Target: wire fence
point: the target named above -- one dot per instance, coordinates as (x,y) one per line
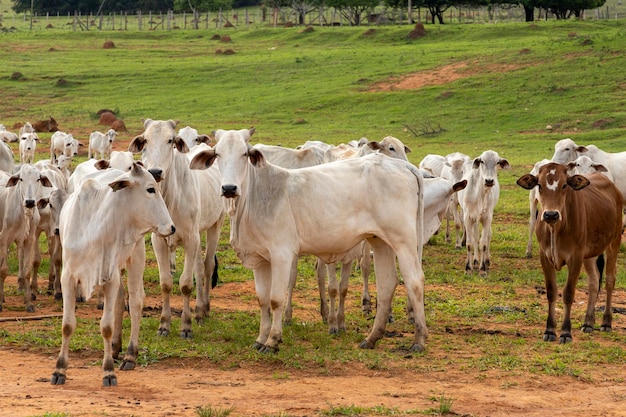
(247,18)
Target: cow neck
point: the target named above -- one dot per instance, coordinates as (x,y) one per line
(174,182)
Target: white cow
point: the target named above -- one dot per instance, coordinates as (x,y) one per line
(7,159)
(122,160)
(585,165)
(62,143)
(6,135)
(194,202)
(26,128)
(292,158)
(192,137)
(453,170)
(478,201)
(28,144)
(20,217)
(273,221)
(115,242)
(433,164)
(533,200)
(101,144)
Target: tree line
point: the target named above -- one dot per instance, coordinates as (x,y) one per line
(354,11)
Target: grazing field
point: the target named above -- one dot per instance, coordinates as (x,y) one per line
(513,88)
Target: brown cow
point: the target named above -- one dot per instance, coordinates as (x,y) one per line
(49,125)
(581,219)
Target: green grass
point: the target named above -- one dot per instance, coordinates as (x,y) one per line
(295,86)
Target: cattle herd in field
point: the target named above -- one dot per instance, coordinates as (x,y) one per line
(368,199)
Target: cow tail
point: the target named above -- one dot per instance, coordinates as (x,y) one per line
(420,210)
(214,277)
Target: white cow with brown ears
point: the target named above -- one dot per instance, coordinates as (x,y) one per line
(272,222)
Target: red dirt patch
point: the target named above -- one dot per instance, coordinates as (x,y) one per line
(441,75)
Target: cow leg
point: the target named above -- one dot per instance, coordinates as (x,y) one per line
(552,293)
(279,294)
(366,269)
(532,219)
(27,267)
(4,271)
(573,272)
(162,254)
(56,260)
(346,271)
(333,292)
(263,287)
(68,326)
(321,273)
(293,276)
(471,228)
(458,226)
(612,253)
(193,261)
(411,270)
(135,267)
(210,271)
(202,289)
(36,257)
(485,241)
(107,324)
(118,320)
(386,281)
(593,283)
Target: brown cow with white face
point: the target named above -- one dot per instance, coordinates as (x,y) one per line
(581,218)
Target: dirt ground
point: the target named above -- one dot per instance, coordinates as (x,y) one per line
(176,387)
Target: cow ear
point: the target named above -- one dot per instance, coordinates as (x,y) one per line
(373,145)
(571,165)
(12,182)
(45,181)
(527,181)
(600,168)
(407,149)
(581,149)
(102,164)
(119,184)
(476,163)
(42,203)
(146,123)
(180,145)
(459,186)
(578,182)
(137,144)
(504,164)
(256,157)
(203,160)
(173,123)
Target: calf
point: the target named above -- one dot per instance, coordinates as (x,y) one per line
(62,143)
(478,201)
(192,137)
(581,219)
(28,144)
(6,135)
(101,144)
(272,222)
(20,217)
(114,243)
(7,159)
(49,125)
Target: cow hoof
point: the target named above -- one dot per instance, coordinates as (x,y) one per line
(269,349)
(366,345)
(58,296)
(163,332)
(605,328)
(549,337)
(100,306)
(417,348)
(257,346)
(127,365)
(57,379)
(30,309)
(333,330)
(587,328)
(33,296)
(109,381)
(186,334)
(80,299)
(390,319)
(565,338)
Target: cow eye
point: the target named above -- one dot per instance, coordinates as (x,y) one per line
(151,190)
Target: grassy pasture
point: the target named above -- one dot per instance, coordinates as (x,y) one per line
(493,87)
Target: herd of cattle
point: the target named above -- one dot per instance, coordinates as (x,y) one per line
(95,218)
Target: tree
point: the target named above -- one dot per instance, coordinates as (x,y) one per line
(352,10)
(304,7)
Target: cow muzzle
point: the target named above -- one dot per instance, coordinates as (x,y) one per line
(157,173)
(229,191)
(551,217)
(29,204)
(489,183)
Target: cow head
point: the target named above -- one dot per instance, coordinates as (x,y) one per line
(566,150)
(553,184)
(487,163)
(232,151)
(157,145)
(391,147)
(28,182)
